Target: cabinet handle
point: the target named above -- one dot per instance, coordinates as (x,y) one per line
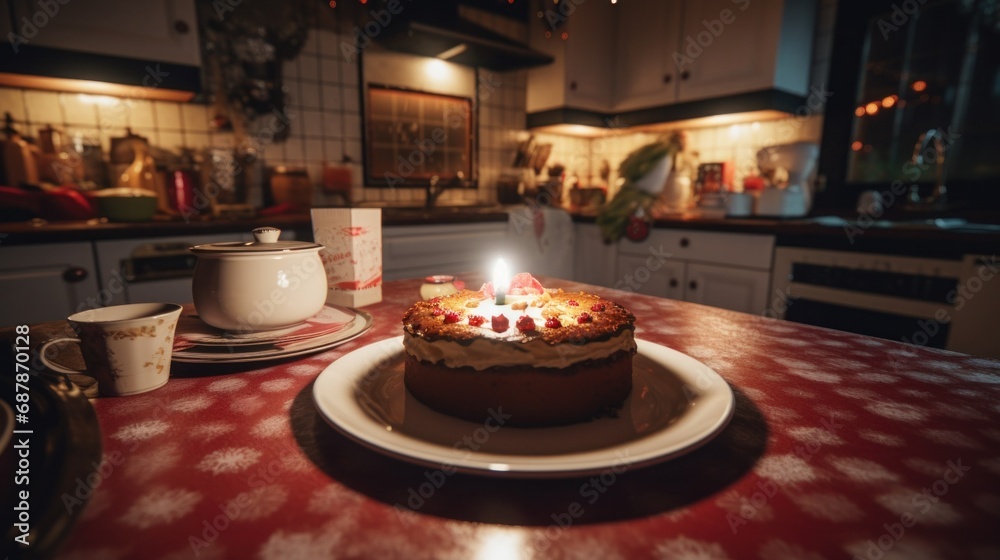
(673,282)
(693,285)
(181,27)
(685,242)
(685,75)
(74,274)
(572,85)
(667,78)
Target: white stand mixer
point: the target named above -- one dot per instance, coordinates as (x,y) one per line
(792,166)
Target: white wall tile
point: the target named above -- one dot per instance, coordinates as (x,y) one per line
(43,107)
(77,112)
(194,117)
(12,101)
(168,115)
(141,114)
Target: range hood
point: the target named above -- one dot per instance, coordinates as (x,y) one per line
(440,32)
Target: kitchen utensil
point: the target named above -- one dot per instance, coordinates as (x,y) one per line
(791,168)
(739,204)
(127,348)
(262,285)
(870,204)
(180,191)
(540,157)
(124,204)
(19,162)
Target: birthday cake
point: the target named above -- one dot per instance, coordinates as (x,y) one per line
(528,357)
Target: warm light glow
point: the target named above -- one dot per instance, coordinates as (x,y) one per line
(860,112)
(500,544)
(501,279)
(48,83)
(735,131)
(102,100)
(564,35)
(889,101)
(437,68)
(919,85)
(856,145)
(871,108)
(453,52)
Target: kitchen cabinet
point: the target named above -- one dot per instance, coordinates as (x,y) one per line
(46,282)
(454,249)
(160,30)
(594,261)
(686,50)
(726,270)
(582,73)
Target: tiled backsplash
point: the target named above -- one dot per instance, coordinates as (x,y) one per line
(324,106)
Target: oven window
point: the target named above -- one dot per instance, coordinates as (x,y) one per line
(903,328)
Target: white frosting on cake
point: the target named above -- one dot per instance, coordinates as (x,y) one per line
(485,353)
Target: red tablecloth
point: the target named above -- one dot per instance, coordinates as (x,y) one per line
(841,445)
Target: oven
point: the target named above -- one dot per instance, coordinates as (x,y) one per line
(940,303)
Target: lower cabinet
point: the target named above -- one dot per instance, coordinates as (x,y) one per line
(726,270)
(40,283)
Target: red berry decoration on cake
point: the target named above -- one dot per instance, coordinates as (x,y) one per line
(452,317)
(598,307)
(552,323)
(476,320)
(500,323)
(525,323)
(584,318)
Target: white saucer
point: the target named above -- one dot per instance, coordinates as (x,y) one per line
(243,352)
(677,404)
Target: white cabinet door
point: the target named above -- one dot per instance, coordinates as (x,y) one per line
(41,283)
(594,261)
(155,30)
(648,35)
(650,276)
(418,251)
(732,46)
(590,56)
(726,287)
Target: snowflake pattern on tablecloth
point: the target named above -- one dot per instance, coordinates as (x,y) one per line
(159,507)
(229,460)
(833,437)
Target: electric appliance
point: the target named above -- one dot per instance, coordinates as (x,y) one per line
(791,169)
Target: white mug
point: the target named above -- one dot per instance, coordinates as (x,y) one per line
(127,348)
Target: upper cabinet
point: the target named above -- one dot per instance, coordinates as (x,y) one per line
(645,54)
(581,76)
(163,31)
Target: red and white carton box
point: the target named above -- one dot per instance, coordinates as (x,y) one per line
(352,253)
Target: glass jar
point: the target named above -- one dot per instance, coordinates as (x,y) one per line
(436,286)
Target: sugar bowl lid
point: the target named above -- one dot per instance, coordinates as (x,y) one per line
(265,241)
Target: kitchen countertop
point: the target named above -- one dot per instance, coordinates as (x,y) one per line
(914,238)
(839,443)
(96,230)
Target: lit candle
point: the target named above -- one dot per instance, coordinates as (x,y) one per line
(500,279)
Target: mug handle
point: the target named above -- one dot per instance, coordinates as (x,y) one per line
(54,366)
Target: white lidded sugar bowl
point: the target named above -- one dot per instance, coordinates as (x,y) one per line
(262,285)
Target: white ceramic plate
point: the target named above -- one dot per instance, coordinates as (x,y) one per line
(210,353)
(677,404)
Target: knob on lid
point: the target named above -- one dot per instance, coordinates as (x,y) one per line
(266,234)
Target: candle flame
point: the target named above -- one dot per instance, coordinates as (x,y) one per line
(501,276)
